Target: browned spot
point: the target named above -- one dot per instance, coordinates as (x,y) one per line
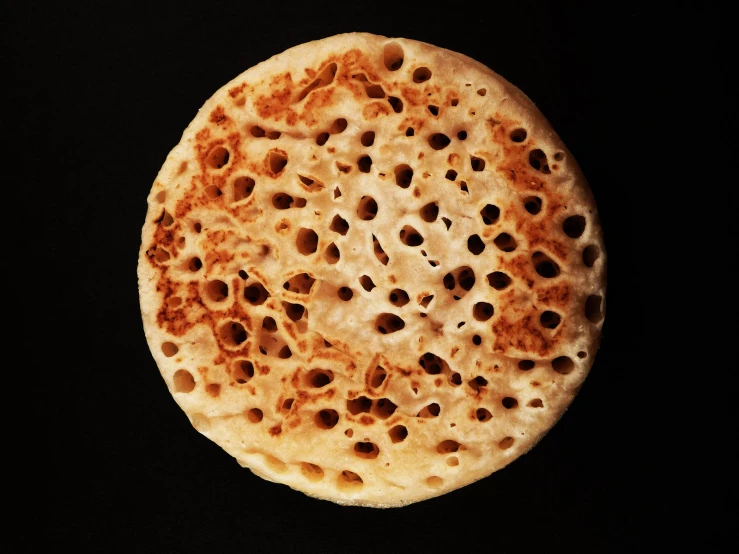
(453,159)
(555,295)
(524,335)
(203,135)
(366,420)
(375,109)
(235,91)
(275,430)
(218,116)
(514,166)
(412,96)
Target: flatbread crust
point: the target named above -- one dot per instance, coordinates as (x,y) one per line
(371,271)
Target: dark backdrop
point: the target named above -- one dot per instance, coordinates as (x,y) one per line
(112,86)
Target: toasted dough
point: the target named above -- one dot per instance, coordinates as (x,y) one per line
(371,271)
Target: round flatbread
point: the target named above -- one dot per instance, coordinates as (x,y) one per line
(371,271)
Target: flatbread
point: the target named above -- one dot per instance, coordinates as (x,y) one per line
(371,271)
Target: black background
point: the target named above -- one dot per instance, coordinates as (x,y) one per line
(112,88)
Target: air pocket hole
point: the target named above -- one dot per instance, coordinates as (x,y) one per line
(403,176)
(379,252)
(169,349)
(475,245)
(322,138)
(483,415)
(563,365)
(518,135)
(478,383)
(300,283)
(509,402)
(277,161)
(243,370)
(213,192)
(396,103)
(368,138)
(592,308)
(307,241)
(447,447)
(332,254)
(389,323)
(490,214)
(378,377)
(421,75)
(526,365)
(345,293)
(339,225)
(506,443)
(399,298)
(338,126)
(538,160)
(398,433)
(216,290)
(439,141)
(432,410)
(367,209)
(549,319)
(544,265)
(574,226)
(535,403)
(312,472)
(183,381)
(532,204)
(294,311)
(478,164)
(218,157)
(366,283)
(429,212)
(233,333)
(359,405)
(282,201)
(243,187)
(451,175)
(410,237)
(318,378)
(434,110)
(505,242)
(366,450)
(590,255)
(409,132)
(482,311)
(393,56)
(256,294)
(498,280)
(327,419)
(255,415)
(349,480)
(364,164)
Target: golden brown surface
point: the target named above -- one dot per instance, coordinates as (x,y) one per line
(371,271)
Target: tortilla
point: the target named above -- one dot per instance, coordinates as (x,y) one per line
(371,271)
